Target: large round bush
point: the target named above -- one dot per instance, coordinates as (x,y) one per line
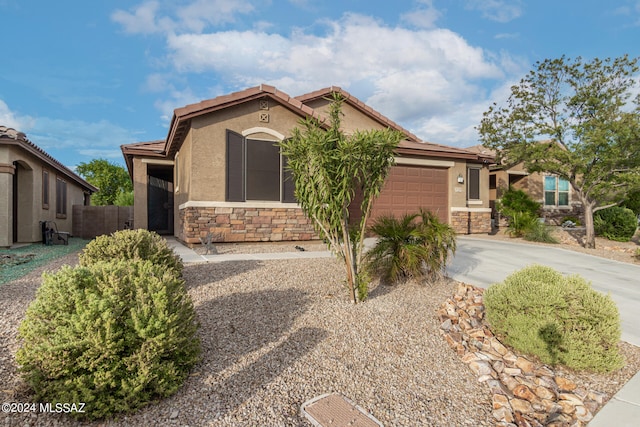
(615,223)
(131,245)
(114,335)
(560,319)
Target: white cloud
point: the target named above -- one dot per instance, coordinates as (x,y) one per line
(497,10)
(423,16)
(156,17)
(142,20)
(13,120)
(411,76)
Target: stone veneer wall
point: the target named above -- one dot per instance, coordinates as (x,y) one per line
(471,222)
(246,224)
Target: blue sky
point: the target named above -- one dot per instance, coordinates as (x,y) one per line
(80,78)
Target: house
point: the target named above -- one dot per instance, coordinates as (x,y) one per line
(34,187)
(219,170)
(555,194)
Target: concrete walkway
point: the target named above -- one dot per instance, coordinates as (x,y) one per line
(483,262)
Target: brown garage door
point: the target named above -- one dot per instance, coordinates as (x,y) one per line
(408,188)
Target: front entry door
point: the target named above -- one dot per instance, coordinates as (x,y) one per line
(160,205)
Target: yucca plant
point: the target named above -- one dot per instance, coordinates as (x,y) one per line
(414,246)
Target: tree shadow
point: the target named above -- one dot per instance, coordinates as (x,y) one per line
(242,385)
(234,326)
(552,337)
(201,274)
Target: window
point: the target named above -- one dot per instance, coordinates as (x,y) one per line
(255,171)
(45,189)
(473,184)
(263,170)
(61,198)
(556,191)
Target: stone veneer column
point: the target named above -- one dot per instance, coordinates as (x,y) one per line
(471,220)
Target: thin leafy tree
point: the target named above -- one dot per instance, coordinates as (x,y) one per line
(329,167)
(578,120)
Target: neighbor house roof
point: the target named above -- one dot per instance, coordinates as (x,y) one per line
(181,121)
(10,136)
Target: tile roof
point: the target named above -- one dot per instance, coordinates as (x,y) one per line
(181,120)
(14,137)
(147,149)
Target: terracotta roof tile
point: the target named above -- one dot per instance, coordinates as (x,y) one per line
(182,116)
(20,138)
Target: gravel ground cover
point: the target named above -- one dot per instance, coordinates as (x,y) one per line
(278,333)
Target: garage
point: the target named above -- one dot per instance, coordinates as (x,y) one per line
(408,188)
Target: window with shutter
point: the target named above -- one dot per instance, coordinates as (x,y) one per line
(473,184)
(256,171)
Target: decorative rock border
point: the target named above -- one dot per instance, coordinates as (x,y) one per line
(524,393)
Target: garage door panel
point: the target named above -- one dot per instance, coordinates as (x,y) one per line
(410,187)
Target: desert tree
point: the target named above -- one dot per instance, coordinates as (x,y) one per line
(112,180)
(329,168)
(578,120)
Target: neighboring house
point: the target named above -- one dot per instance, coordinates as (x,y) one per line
(34,187)
(220,171)
(555,195)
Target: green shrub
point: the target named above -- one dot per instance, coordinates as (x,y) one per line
(632,201)
(131,245)
(539,232)
(560,319)
(514,200)
(615,223)
(520,223)
(521,212)
(414,246)
(114,335)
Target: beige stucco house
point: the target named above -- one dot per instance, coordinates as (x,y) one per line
(220,171)
(555,195)
(34,187)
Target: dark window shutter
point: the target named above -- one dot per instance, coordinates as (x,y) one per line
(474,184)
(288,185)
(235,167)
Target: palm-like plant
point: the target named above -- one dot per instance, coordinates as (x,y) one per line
(413,246)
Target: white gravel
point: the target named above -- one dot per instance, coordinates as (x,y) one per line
(278,333)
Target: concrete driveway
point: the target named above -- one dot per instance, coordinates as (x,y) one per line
(482,262)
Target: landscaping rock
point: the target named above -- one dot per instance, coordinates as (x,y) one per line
(524,393)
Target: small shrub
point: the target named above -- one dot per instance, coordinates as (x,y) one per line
(414,246)
(520,223)
(514,200)
(114,335)
(637,253)
(615,223)
(131,245)
(539,232)
(559,319)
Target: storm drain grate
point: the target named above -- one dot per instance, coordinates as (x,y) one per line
(335,410)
